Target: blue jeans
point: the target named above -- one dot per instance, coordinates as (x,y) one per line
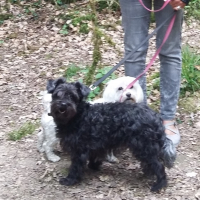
(135,21)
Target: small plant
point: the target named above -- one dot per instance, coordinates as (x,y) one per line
(193,9)
(111,4)
(64,30)
(190,71)
(153,83)
(94,93)
(31,9)
(75,19)
(73,72)
(102,71)
(14,1)
(4,17)
(84,29)
(61,2)
(99,74)
(26,129)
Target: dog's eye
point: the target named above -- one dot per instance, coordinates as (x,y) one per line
(59,94)
(120,88)
(131,87)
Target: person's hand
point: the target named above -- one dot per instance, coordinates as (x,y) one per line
(177,4)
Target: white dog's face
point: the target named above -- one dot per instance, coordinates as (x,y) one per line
(114,91)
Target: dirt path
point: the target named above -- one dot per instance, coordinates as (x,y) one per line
(35,52)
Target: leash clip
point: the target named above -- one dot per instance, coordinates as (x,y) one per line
(92,87)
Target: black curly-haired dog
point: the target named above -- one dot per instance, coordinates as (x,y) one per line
(87,132)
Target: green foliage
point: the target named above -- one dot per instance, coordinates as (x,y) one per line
(14,1)
(30,8)
(61,2)
(84,29)
(26,129)
(153,83)
(74,72)
(76,19)
(193,9)
(111,4)
(71,71)
(99,74)
(190,71)
(190,77)
(153,17)
(64,30)
(97,41)
(4,17)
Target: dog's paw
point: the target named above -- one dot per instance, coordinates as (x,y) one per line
(158,186)
(112,159)
(53,158)
(155,188)
(95,165)
(40,149)
(68,181)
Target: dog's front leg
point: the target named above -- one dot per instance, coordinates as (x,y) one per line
(76,170)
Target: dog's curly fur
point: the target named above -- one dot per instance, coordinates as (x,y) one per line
(47,135)
(88,131)
(115,92)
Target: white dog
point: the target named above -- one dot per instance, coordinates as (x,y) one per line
(47,136)
(114,92)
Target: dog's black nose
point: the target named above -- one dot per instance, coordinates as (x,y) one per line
(63,104)
(62,108)
(128,94)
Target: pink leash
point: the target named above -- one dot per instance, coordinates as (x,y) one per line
(166,2)
(157,52)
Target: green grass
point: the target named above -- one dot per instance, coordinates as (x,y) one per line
(26,129)
(153,83)
(190,71)
(190,77)
(193,9)
(71,71)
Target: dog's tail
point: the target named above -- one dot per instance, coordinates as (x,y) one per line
(168,153)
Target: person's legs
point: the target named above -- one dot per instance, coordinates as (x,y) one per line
(135,21)
(170,60)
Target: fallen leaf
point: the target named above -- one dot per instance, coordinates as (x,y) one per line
(103,178)
(191,174)
(197,195)
(131,166)
(197,67)
(48,179)
(100,196)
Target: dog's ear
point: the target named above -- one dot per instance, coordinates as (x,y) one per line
(52,84)
(82,89)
